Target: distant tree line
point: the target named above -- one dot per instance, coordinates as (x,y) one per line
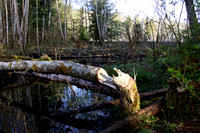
(36,23)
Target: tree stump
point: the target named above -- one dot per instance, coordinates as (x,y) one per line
(177,98)
(129,96)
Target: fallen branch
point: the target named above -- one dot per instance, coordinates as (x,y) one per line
(152,94)
(131,121)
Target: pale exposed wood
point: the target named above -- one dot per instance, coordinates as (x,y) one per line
(129,96)
(131,121)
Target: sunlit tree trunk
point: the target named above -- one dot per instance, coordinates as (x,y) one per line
(37,35)
(193,22)
(61,31)
(49,22)
(65,39)
(6,12)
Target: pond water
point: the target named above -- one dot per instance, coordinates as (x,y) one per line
(26,104)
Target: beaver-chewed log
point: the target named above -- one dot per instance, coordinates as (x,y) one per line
(129,96)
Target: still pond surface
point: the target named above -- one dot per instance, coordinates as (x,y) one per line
(26,104)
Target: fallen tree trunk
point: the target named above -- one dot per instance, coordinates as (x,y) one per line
(102,89)
(131,121)
(90,73)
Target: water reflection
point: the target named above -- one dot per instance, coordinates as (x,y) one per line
(26,104)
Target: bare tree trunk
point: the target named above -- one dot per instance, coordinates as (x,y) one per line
(37,35)
(18,26)
(65,39)
(61,31)
(193,22)
(43,22)
(6,12)
(13,22)
(1,25)
(26,23)
(129,37)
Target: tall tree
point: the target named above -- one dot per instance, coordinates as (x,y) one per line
(61,31)
(26,23)
(20,42)
(43,22)
(193,22)
(37,32)
(65,38)
(101,15)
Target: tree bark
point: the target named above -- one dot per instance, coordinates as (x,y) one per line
(131,121)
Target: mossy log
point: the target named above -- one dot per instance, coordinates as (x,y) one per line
(86,72)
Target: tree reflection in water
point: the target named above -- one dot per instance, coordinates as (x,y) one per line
(26,104)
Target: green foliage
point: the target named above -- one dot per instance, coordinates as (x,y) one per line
(83,34)
(147,121)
